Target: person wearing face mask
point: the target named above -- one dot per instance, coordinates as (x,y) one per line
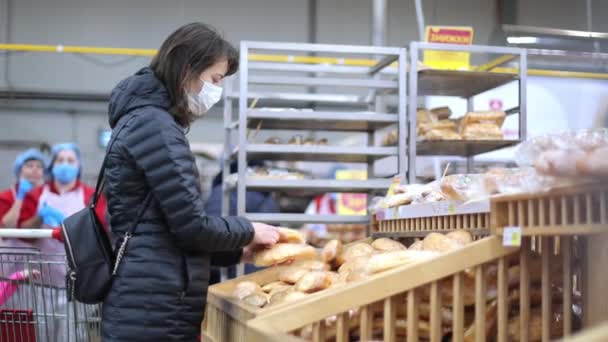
(47,205)
(160,288)
(29,171)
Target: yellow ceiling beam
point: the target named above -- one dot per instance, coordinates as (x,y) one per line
(491,66)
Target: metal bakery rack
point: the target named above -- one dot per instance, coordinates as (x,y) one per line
(344,99)
(419,220)
(464,84)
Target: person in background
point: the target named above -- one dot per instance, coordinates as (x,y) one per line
(29,171)
(47,205)
(256,202)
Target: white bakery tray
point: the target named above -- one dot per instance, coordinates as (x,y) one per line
(442,208)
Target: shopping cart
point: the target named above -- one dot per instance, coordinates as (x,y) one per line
(34,303)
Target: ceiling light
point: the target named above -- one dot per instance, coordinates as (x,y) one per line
(522,40)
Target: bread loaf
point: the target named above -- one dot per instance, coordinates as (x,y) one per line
(461,236)
(386,245)
(275,286)
(283,253)
(245,288)
(354,251)
(416,246)
(492,117)
(257,299)
(293,296)
(441,134)
(314,281)
(482,131)
(331,251)
(288,235)
(440,243)
(386,261)
(442,113)
(292,274)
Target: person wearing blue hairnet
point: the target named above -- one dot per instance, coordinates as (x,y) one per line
(63,195)
(46,207)
(29,172)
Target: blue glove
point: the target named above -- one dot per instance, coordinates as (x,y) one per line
(50,216)
(23,188)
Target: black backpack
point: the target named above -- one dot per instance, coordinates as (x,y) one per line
(92,262)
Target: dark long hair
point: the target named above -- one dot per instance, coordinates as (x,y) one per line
(183,56)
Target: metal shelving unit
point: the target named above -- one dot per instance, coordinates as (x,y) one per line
(351,100)
(463,84)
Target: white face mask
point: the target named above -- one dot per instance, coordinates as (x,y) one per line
(209,95)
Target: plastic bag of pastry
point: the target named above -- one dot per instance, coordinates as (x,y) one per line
(492,117)
(291,235)
(331,251)
(464,187)
(561,163)
(416,246)
(245,288)
(440,243)
(386,261)
(398,200)
(442,113)
(387,245)
(424,116)
(482,131)
(433,196)
(586,140)
(322,142)
(257,299)
(595,164)
(441,134)
(461,236)
(283,253)
(354,251)
(275,286)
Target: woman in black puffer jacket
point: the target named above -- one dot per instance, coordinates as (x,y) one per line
(159,291)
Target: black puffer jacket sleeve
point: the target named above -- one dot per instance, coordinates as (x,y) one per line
(160,149)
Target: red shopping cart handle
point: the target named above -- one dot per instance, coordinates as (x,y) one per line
(17,325)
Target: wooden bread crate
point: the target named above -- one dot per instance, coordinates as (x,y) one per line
(579,211)
(482,292)
(575,210)
(417,220)
(226,316)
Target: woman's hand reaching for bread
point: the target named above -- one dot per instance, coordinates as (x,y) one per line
(264,236)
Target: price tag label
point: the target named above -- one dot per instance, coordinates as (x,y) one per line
(511,237)
(451,208)
(396,212)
